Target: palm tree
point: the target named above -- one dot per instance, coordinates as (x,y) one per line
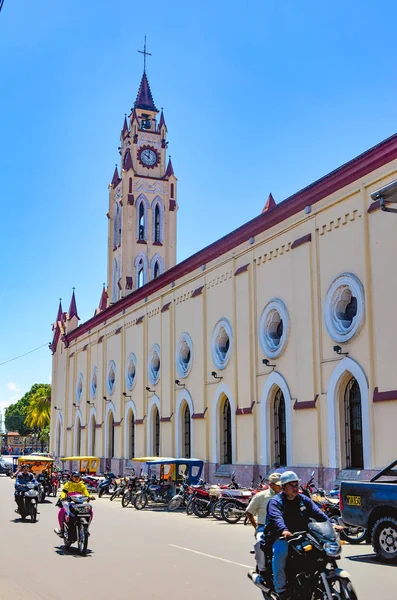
(39,410)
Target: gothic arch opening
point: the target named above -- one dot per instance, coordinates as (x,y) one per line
(78,438)
(110,436)
(130,434)
(141,222)
(156,431)
(225,439)
(279,429)
(157,224)
(351,426)
(186,438)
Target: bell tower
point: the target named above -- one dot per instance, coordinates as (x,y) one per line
(142,200)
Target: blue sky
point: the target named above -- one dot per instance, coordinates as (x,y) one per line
(258,97)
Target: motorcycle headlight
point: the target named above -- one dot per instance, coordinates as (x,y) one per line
(332,548)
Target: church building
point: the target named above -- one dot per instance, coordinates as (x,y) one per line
(275,345)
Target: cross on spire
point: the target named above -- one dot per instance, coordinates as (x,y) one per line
(145,54)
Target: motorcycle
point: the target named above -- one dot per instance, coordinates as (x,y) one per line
(153,491)
(133,485)
(77,521)
(45,487)
(181,499)
(55,479)
(119,491)
(108,485)
(208,500)
(28,498)
(312,570)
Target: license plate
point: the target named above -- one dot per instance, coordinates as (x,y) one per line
(353,500)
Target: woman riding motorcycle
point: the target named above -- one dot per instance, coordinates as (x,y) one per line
(74,486)
(23,477)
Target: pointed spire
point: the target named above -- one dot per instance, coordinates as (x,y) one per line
(60,312)
(269,204)
(73,308)
(144,98)
(162,121)
(170,169)
(124,131)
(103,303)
(116,177)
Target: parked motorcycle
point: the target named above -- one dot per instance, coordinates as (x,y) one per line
(77,521)
(108,485)
(180,499)
(153,491)
(134,484)
(312,570)
(27,500)
(121,487)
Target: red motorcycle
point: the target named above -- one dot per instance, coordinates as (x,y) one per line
(55,483)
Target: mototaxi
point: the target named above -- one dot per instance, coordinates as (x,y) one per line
(41,467)
(170,471)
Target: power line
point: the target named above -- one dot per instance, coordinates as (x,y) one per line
(26,353)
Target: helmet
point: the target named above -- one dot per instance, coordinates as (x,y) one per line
(288,477)
(76,474)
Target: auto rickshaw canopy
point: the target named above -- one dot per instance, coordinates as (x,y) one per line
(88,464)
(37,463)
(176,469)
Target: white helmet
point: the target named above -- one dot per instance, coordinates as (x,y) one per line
(288,477)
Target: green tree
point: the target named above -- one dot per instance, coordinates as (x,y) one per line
(15,414)
(38,412)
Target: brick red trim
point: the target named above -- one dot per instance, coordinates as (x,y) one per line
(157,243)
(166,307)
(139,421)
(118,330)
(98,426)
(384,396)
(83,426)
(117,423)
(246,411)
(200,415)
(130,199)
(100,339)
(305,404)
(302,240)
(198,291)
(166,419)
(141,242)
(69,428)
(372,159)
(139,320)
(241,270)
(374,206)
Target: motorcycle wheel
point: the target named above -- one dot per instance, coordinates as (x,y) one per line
(140,500)
(352,534)
(174,503)
(341,589)
(66,540)
(230,514)
(33,512)
(200,508)
(189,507)
(216,510)
(114,495)
(101,491)
(82,539)
(126,499)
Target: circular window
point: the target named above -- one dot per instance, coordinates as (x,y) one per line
(273,328)
(221,343)
(344,307)
(94,382)
(154,364)
(79,387)
(130,371)
(111,377)
(184,355)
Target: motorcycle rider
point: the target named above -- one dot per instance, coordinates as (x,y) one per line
(258,507)
(74,486)
(23,477)
(287,513)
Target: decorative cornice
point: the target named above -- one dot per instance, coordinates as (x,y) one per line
(200,415)
(140,421)
(166,419)
(384,396)
(360,166)
(141,242)
(98,426)
(118,330)
(241,270)
(197,291)
(246,411)
(166,307)
(305,404)
(100,339)
(302,240)
(157,243)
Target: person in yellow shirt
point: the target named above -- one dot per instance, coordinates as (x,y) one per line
(74,486)
(258,508)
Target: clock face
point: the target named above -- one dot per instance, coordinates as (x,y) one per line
(148,156)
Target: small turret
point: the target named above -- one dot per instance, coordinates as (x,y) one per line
(72,319)
(270,203)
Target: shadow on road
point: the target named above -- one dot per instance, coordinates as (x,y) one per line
(370,559)
(72,552)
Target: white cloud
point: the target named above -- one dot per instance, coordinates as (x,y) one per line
(12,386)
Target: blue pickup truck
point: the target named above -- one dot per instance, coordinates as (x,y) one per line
(373,505)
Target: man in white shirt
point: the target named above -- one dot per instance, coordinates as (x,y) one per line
(258,508)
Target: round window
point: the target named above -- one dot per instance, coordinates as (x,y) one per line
(221,343)
(111,377)
(79,387)
(94,382)
(130,371)
(154,364)
(273,328)
(184,355)
(344,307)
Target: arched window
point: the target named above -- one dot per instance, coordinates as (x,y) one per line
(131,435)
(110,448)
(353,426)
(156,270)
(226,434)
(157,232)
(78,438)
(141,270)
(156,432)
(141,221)
(279,424)
(130,185)
(91,449)
(186,439)
(140,276)
(172,191)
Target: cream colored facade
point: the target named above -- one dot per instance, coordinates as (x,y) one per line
(315,272)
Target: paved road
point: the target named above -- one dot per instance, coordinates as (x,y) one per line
(147,554)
